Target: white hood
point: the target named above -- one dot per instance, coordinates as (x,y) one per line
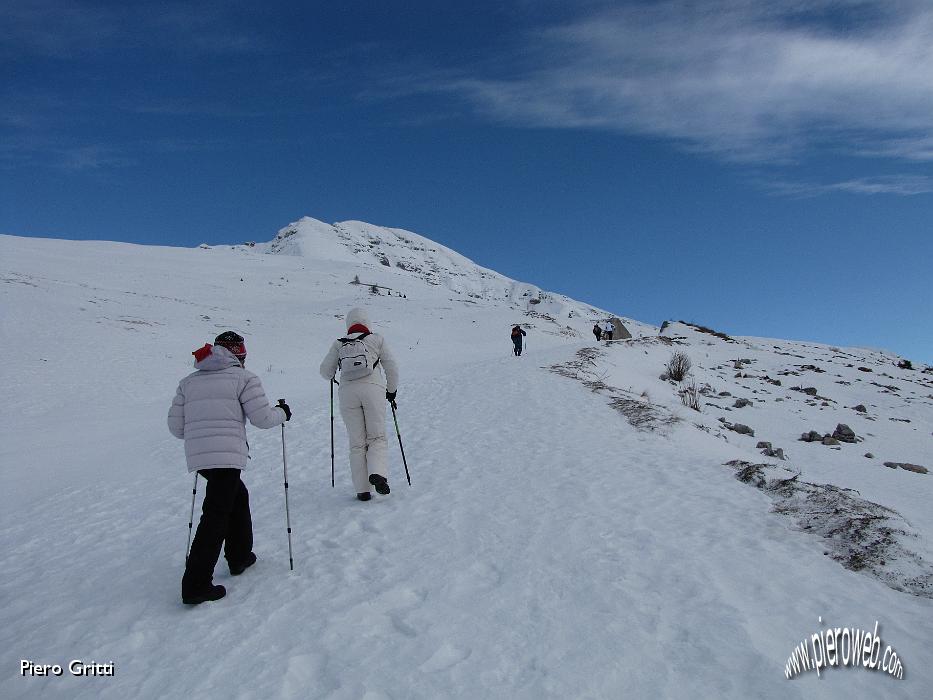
(357,315)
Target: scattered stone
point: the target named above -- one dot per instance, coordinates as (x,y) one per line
(810,391)
(830,440)
(769,451)
(860,408)
(812,436)
(741,403)
(864,369)
(737,427)
(724,393)
(916,468)
(844,433)
(869,455)
(889,388)
(663,377)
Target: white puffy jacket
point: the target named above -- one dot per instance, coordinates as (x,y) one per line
(210,410)
(377,345)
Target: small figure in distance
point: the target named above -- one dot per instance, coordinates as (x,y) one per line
(517,339)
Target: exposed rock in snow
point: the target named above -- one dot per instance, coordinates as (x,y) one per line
(844,433)
(861,535)
(916,468)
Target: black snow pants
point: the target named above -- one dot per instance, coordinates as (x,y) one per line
(225,520)
(517,340)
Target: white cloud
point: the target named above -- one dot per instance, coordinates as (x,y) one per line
(65,30)
(902,185)
(746,80)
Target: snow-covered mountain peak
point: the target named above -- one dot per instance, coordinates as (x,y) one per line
(310,238)
(389,256)
(372,246)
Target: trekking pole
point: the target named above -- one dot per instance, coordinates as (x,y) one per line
(288,522)
(332,382)
(404,461)
(194,493)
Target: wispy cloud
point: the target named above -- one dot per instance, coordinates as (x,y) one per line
(92,157)
(901,185)
(63,30)
(61,154)
(916,148)
(746,80)
(42,152)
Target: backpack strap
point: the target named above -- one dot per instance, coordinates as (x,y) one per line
(350,340)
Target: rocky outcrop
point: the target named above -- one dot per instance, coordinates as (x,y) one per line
(737,427)
(843,433)
(916,468)
(769,451)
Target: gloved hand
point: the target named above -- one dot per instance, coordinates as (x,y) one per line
(390,396)
(284,407)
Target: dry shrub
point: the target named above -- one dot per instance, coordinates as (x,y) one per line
(678,366)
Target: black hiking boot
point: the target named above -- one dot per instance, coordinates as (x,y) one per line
(364,496)
(210,593)
(379,481)
(240,567)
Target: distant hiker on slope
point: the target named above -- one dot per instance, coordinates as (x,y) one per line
(598,332)
(363,394)
(517,334)
(209,413)
(607,330)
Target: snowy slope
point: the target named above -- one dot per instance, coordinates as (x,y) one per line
(547,548)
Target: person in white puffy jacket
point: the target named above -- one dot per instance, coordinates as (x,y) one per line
(209,413)
(363,401)
(608,330)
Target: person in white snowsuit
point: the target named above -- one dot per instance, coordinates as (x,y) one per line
(608,328)
(363,394)
(209,413)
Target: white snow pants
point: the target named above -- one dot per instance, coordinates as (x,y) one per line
(363,407)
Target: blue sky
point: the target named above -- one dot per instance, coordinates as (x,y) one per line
(764,168)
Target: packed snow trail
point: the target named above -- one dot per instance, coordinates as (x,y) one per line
(545,550)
